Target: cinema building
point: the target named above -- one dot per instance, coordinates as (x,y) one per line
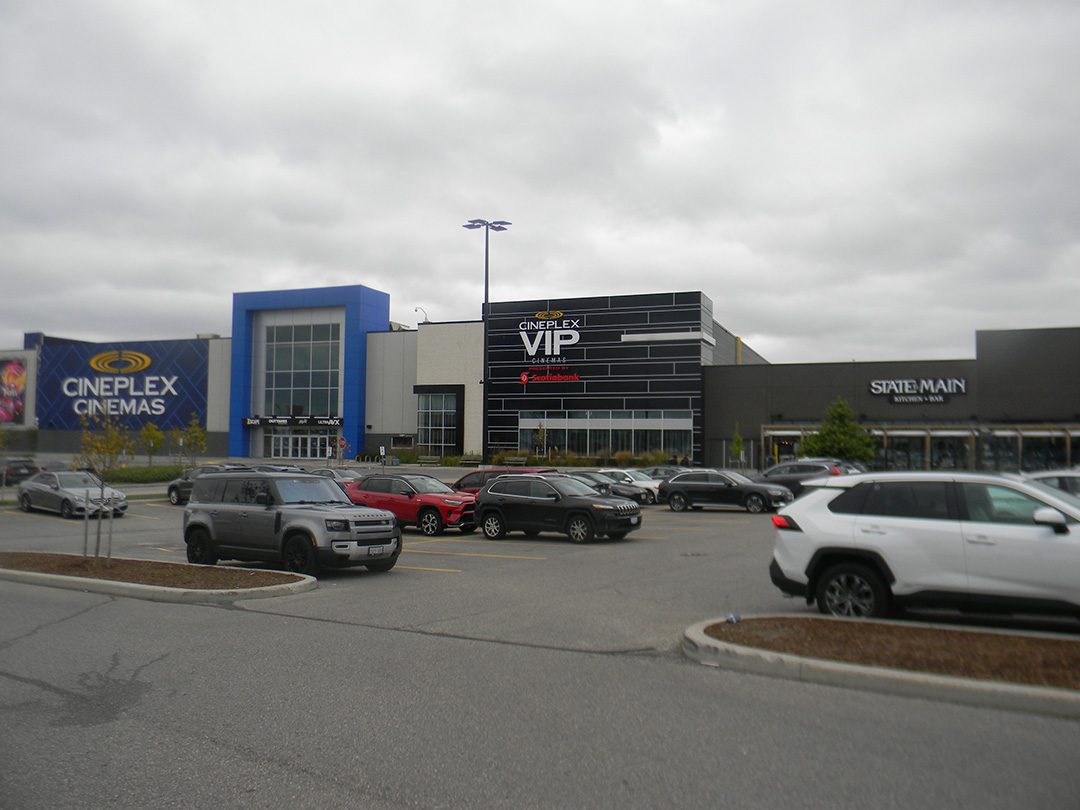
(308,374)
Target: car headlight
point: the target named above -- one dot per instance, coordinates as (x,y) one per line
(776,493)
(452,503)
(337,525)
(602,506)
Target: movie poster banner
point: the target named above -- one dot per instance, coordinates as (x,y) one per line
(12,391)
(161,382)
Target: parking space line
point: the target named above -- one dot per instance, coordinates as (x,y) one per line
(467,554)
(500,543)
(438,570)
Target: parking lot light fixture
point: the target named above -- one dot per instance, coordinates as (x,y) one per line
(488,226)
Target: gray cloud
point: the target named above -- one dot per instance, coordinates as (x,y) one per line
(846,180)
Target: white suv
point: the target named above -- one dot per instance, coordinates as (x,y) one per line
(862,544)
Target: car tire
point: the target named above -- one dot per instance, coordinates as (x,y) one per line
(299,555)
(25,504)
(852,590)
(381,567)
(174,496)
(579,529)
(199,550)
(754,503)
(494,528)
(677,502)
(66,510)
(430,523)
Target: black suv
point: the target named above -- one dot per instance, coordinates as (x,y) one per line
(305,521)
(791,474)
(553,503)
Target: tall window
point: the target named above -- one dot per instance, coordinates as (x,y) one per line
(303,370)
(437,424)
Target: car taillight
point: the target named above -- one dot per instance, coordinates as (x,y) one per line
(835,471)
(784,522)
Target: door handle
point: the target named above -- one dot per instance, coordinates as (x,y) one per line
(873,530)
(982,540)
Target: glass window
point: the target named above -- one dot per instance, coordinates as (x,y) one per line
(320,331)
(910,499)
(989,503)
(302,334)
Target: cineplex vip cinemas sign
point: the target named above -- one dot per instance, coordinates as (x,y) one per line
(924,391)
(163,382)
(546,337)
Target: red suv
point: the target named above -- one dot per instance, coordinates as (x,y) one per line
(416,499)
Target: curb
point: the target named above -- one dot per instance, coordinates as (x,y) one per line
(158,593)
(704,649)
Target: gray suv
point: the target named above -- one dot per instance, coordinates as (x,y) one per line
(304,521)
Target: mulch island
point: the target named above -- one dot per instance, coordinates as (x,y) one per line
(145,572)
(1025,659)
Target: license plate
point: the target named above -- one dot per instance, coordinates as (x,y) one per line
(634,520)
(375,551)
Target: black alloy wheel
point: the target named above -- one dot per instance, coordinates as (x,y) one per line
(199,551)
(677,502)
(25,504)
(299,555)
(66,510)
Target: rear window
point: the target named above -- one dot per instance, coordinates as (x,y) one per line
(910,499)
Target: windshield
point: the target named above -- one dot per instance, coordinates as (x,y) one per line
(1068,497)
(638,475)
(429,485)
(571,486)
(78,480)
(310,490)
(737,477)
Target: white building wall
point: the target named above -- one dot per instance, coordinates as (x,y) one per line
(453,354)
(391,374)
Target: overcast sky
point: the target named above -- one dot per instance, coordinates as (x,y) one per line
(845,179)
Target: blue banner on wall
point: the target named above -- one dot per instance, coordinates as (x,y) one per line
(161,382)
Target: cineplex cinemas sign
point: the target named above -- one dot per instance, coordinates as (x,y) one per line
(925,391)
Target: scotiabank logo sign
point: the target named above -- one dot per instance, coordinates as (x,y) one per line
(547,335)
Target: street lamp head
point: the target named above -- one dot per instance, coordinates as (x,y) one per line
(497,225)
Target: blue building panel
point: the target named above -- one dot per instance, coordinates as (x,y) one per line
(366,310)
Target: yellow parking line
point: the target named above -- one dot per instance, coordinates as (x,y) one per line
(500,543)
(466,554)
(439,570)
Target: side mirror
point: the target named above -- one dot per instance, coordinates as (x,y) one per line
(264,498)
(1052,518)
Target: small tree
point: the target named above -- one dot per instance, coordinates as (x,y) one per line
(540,440)
(194,439)
(151,440)
(103,443)
(737,445)
(839,436)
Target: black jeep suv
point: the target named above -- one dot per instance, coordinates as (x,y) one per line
(553,503)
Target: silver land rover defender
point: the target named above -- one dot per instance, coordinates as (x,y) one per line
(304,521)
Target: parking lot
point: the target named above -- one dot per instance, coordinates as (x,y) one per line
(524,672)
(641,591)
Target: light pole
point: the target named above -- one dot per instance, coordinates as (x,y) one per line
(497,225)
